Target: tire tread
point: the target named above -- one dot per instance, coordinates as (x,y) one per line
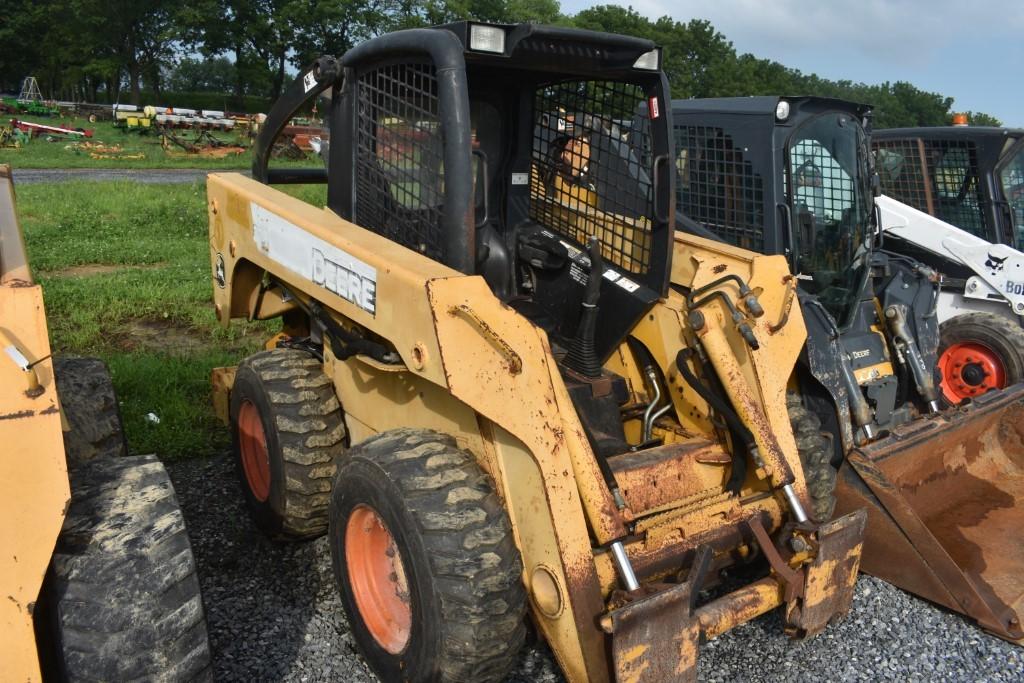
(473,559)
(311,433)
(125,590)
(815,451)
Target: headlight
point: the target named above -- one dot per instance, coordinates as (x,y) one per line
(782,110)
(487,38)
(649,61)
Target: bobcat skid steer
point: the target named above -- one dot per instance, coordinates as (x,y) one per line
(503,384)
(956,202)
(792,176)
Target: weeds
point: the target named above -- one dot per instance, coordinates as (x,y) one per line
(125,270)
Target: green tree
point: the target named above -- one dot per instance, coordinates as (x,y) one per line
(216,74)
(978,118)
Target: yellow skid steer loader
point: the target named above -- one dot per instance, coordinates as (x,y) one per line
(97,572)
(504,384)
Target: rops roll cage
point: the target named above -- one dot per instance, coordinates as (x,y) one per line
(448,48)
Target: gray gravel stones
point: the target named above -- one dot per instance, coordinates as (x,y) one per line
(274,614)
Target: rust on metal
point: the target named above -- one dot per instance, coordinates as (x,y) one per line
(740,606)
(655,638)
(669,473)
(830,577)
(948,524)
(655,634)
(515,363)
(792,580)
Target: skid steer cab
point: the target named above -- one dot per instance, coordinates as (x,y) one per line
(794,176)
(955,200)
(503,385)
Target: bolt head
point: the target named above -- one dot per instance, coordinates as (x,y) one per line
(696,319)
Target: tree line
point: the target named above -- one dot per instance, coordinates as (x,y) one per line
(123,50)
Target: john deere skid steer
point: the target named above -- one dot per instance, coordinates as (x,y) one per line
(504,385)
(793,176)
(97,573)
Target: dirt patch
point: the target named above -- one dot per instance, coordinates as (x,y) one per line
(176,338)
(89,269)
(165,336)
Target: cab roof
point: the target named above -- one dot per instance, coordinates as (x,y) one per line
(766,105)
(950,132)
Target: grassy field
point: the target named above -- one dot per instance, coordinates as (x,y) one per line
(64,153)
(126,277)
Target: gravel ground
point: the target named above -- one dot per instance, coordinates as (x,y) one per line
(29,176)
(274,615)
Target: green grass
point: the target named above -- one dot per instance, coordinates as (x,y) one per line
(126,276)
(63,153)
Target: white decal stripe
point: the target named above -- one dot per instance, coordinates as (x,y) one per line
(312,258)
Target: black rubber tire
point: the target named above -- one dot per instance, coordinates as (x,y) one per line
(305,433)
(999,334)
(815,449)
(463,568)
(122,599)
(90,406)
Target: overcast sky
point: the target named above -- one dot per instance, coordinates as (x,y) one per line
(971,50)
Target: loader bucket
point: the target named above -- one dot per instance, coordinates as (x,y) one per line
(945,501)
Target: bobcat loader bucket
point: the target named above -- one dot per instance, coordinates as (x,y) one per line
(945,501)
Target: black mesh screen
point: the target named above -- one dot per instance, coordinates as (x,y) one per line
(901,169)
(591,172)
(399,157)
(821,185)
(939,177)
(718,187)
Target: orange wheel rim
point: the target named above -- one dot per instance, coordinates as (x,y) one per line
(970,369)
(377,577)
(252,442)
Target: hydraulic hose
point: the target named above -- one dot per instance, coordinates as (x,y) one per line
(647,364)
(719,405)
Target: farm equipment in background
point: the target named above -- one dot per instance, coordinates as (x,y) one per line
(161,119)
(793,176)
(35,130)
(12,137)
(503,381)
(29,101)
(305,137)
(97,570)
(203,144)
